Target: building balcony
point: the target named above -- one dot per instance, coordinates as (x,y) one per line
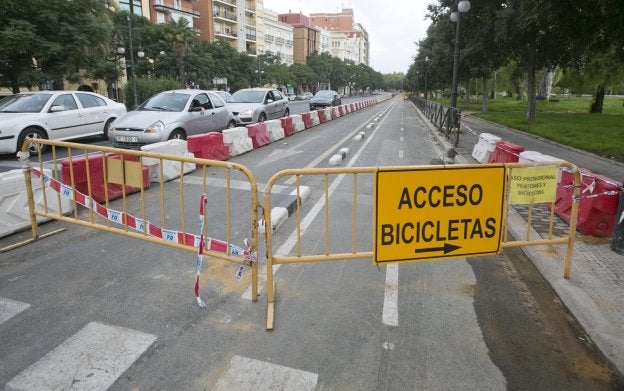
(289,42)
(225,16)
(226,2)
(226,34)
(160,6)
(250,37)
(268,38)
(279,40)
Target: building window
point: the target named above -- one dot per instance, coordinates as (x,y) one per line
(124,5)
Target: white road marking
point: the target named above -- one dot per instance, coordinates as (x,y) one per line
(234,184)
(9,308)
(91,359)
(401,138)
(401,153)
(291,241)
(247,374)
(390,315)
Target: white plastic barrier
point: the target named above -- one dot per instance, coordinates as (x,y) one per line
(484,147)
(347,108)
(336,112)
(315,118)
(538,157)
(328,113)
(274,127)
(237,140)
(14,213)
(170,168)
(297,121)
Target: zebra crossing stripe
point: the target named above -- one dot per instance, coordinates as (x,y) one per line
(91,359)
(247,374)
(9,308)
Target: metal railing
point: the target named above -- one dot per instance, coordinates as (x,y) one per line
(447,119)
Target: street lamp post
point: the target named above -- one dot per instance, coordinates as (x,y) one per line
(462,7)
(259,71)
(426,72)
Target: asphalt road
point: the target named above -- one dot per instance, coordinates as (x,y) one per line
(471,324)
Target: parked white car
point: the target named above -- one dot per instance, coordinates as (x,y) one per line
(54,115)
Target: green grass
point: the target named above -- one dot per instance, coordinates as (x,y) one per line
(567,122)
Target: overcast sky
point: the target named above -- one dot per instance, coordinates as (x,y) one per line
(393,25)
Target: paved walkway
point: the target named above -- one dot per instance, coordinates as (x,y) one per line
(594,294)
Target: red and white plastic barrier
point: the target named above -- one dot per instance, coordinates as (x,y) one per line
(208,146)
(258,134)
(237,140)
(315,118)
(297,121)
(275,130)
(287,125)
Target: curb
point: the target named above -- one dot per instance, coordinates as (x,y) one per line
(286,208)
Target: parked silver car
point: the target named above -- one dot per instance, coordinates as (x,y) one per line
(170,115)
(251,105)
(58,115)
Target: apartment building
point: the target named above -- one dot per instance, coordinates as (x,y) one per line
(306,39)
(162,11)
(277,37)
(342,25)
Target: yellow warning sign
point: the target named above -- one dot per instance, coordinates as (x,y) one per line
(438,212)
(533,184)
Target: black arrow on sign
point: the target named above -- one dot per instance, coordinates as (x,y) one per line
(447,248)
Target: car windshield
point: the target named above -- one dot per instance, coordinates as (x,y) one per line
(247,96)
(166,101)
(24,103)
(324,94)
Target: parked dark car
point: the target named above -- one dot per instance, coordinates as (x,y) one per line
(325,98)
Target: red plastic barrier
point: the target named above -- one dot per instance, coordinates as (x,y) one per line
(598,204)
(208,146)
(287,125)
(352,107)
(505,152)
(321,115)
(307,120)
(96,176)
(341,110)
(258,134)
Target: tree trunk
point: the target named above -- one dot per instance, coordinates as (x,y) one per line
(468,95)
(484,94)
(596,106)
(531,107)
(493,95)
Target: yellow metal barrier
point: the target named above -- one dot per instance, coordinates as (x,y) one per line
(433,176)
(99,181)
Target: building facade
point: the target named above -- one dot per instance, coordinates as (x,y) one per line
(306,39)
(277,37)
(350,34)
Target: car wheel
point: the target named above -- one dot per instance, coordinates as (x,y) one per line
(106,126)
(286,113)
(32,133)
(262,117)
(177,134)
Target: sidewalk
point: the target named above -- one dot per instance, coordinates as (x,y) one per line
(594,294)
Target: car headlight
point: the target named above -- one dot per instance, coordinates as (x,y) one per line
(156,127)
(247,112)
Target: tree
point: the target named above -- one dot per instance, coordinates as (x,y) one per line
(51,40)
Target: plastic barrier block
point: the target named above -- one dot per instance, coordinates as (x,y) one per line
(258,134)
(307,120)
(505,152)
(14,212)
(237,140)
(341,110)
(287,125)
(321,115)
(297,121)
(208,146)
(328,113)
(315,118)
(170,168)
(598,204)
(335,112)
(275,130)
(347,108)
(99,190)
(353,108)
(484,147)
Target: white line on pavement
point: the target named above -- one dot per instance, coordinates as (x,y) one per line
(9,308)
(390,315)
(91,359)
